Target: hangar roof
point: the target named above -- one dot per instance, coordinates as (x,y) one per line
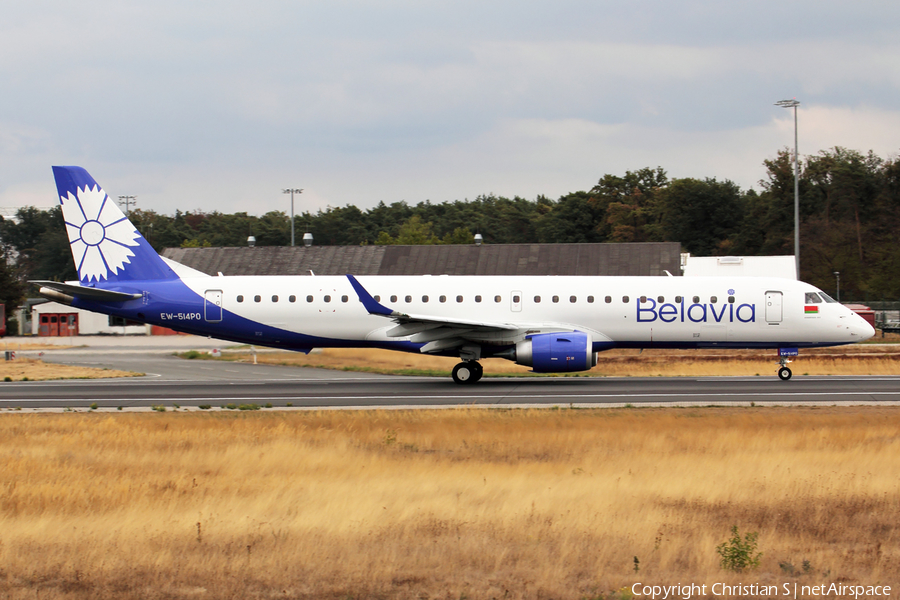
(650,258)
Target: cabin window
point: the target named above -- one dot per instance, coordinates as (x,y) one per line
(292,298)
(377,298)
(344,298)
(730,299)
(240,298)
(257,298)
(678,299)
(661,299)
(497,299)
(327,298)
(477,298)
(408,299)
(572,299)
(608,299)
(424,298)
(442,299)
(696,299)
(813,298)
(309,298)
(537,299)
(713,299)
(643,299)
(827,298)
(590,299)
(274,298)
(393,298)
(516,299)
(625,299)
(459,299)
(555,299)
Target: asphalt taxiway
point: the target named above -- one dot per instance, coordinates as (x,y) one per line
(170,380)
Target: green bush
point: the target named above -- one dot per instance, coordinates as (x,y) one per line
(739,554)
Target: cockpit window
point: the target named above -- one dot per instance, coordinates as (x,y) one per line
(812,298)
(828,298)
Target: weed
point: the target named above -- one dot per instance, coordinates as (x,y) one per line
(24,379)
(248,407)
(204,407)
(159,408)
(190,354)
(637,564)
(118,408)
(177,405)
(7,378)
(268,405)
(94,406)
(289,404)
(390,437)
(230,406)
(739,554)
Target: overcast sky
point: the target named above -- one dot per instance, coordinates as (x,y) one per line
(219,105)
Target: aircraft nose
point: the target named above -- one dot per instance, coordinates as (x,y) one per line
(860,328)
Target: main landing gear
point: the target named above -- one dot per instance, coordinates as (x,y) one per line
(468,371)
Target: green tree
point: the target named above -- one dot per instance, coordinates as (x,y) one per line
(702,215)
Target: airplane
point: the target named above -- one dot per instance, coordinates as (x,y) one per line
(553,324)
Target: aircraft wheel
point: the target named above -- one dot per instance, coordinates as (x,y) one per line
(478,371)
(466,372)
(784,373)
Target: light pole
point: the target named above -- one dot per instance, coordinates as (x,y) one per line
(127,201)
(837,275)
(794,104)
(292,192)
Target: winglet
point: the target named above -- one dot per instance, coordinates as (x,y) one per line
(368,301)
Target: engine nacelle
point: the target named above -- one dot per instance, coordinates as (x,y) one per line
(557,352)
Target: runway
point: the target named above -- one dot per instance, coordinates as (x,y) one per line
(192,383)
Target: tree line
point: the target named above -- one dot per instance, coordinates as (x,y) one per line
(849,209)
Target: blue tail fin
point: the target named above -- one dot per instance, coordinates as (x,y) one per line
(104,243)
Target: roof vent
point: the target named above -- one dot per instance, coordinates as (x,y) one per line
(478,239)
(307,239)
(251,241)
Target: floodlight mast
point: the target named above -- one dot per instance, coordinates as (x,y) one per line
(794,103)
(292,192)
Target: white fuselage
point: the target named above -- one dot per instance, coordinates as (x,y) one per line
(628,311)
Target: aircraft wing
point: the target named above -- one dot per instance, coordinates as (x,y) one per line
(440,333)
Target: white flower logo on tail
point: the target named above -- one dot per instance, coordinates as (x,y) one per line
(99,233)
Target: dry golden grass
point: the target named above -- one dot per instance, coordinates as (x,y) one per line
(33,369)
(848,360)
(7,345)
(440,504)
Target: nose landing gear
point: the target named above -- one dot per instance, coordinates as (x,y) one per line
(784,373)
(468,371)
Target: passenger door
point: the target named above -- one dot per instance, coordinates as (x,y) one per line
(773,307)
(213,306)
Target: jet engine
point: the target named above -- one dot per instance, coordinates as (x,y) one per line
(557,352)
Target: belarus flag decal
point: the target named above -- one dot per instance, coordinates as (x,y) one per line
(811,310)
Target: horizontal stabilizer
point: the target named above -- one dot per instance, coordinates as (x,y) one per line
(88,293)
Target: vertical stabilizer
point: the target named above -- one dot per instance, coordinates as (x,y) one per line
(104,243)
